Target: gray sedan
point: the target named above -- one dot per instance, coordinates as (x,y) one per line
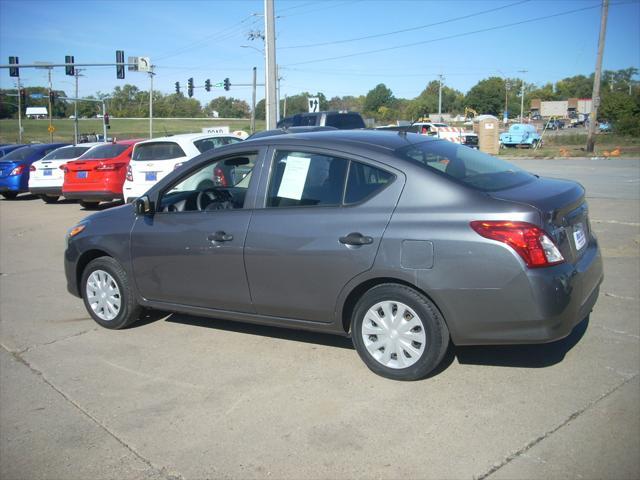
(403,242)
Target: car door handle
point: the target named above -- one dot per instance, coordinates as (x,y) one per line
(356,238)
(220,237)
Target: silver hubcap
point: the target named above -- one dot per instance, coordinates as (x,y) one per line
(103,295)
(393,334)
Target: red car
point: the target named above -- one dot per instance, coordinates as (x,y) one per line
(98,175)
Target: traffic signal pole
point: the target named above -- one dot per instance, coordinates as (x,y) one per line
(50,108)
(253,103)
(151,74)
(19,112)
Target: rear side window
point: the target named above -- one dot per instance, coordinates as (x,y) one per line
(344,121)
(365,181)
(158,151)
(66,153)
(109,150)
(306,179)
(214,142)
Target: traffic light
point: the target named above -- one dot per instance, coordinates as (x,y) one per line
(52,96)
(14,71)
(120,64)
(23,96)
(106,120)
(177,88)
(207,85)
(227,84)
(69,69)
(190,87)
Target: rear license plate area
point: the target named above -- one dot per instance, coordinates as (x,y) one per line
(47,172)
(150,176)
(579,236)
(81,174)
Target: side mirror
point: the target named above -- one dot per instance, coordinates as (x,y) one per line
(144,206)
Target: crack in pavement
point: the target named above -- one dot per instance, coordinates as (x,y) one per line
(548,433)
(159,471)
(37,345)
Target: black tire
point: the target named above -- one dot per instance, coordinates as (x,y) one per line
(10,195)
(435,331)
(89,205)
(129,310)
(50,198)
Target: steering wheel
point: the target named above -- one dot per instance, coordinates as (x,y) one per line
(211,199)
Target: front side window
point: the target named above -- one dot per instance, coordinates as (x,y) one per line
(306,179)
(473,168)
(158,151)
(217,185)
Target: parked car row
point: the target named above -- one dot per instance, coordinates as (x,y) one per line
(95,172)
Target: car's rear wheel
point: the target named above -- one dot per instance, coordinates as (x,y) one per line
(398,332)
(49,198)
(107,294)
(10,195)
(89,205)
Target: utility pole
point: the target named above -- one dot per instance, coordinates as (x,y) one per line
(270,64)
(595,98)
(19,112)
(440,98)
(76,74)
(104,123)
(151,74)
(50,108)
(522,96)
(507,86)
(253,103)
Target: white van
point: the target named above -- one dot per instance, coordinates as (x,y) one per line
(152,159)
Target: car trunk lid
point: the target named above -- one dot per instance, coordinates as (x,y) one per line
(563,212)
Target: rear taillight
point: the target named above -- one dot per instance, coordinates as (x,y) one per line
(109,166)
(129,174)
(18,170)
(32,168)
(63,167)
(529,241)
(218,177)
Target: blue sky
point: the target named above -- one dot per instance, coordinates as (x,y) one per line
(203,39)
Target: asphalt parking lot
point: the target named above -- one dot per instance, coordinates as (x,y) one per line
(186,397)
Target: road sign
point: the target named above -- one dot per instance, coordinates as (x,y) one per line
(36,95)
(221,129)
(51,128)
(133,64)
(144,64)
(314,104)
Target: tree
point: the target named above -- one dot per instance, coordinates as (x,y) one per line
(299,103)
(487,96)
(427,102)
(380,96)
(577,86)
(228,107)
(622,110)
(349,102)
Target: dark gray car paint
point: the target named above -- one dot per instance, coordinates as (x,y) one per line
(481,286)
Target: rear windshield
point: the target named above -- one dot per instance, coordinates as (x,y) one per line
(466,165)
(344,121)
(158,151)
(66,153)
(109,150)
(18,154)
(305,120)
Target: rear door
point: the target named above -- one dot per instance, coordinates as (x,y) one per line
(312,235)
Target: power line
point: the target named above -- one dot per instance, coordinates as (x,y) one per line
(324,7)
(448,37)
(404,30)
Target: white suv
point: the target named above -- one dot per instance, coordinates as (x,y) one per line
(46,176)
(152,159)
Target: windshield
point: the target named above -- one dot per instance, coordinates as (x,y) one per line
(466,165)
(66,153)
(109,150)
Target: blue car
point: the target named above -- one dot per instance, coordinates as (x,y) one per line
(14,167)
(520,134)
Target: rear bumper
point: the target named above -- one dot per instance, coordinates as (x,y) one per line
(46,190)
(538,306)
(92,196)
(13,183)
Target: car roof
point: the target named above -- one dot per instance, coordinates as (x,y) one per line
(379,140)
(131,141)
(185,138)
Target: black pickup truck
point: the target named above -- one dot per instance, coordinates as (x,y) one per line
(340,120)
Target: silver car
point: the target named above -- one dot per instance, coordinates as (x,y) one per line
(403,242)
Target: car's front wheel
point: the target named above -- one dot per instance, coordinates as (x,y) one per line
(107,294)
(398,332)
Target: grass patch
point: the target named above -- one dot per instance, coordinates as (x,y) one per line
(36,130)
